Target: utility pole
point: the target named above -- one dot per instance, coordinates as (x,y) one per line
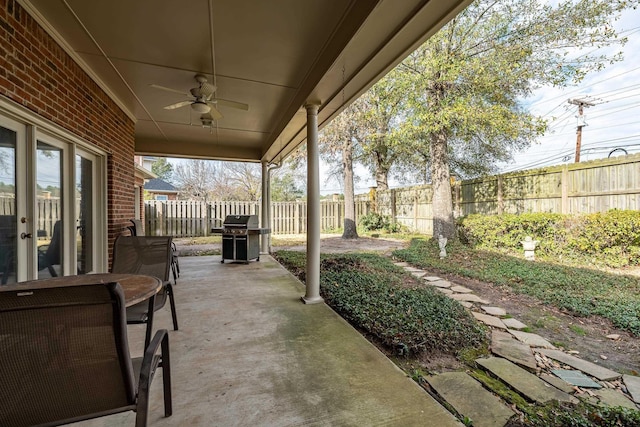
(581,103)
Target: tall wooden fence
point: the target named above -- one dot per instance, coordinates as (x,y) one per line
(182,218)
(595,186)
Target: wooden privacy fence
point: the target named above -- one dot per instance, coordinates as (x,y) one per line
(595,186)
(182,218)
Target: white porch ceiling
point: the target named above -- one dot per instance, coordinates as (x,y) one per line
(274,55)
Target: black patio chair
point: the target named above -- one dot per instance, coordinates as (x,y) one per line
(149,255)
(65,357)
(7,244)
(49,255)
(136,230)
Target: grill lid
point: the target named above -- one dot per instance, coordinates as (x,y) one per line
(241,221)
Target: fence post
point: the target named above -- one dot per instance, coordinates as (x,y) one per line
(564,185)
(207,224)
(392,202)
(415,210)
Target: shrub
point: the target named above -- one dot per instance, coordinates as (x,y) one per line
(609,238)
(373,221)
(370,292)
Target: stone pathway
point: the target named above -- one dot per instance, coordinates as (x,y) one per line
(525,362)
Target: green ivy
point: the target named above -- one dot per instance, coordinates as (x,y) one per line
(371,293)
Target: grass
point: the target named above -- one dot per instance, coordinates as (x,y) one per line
(580,291)
(578,330)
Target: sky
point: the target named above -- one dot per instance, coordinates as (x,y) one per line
(612,123)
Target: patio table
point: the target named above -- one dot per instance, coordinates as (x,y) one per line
(136,287)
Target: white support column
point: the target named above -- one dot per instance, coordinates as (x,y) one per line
(266,202)
(312,295)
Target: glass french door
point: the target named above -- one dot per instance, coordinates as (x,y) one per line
(48,206)
(10,133)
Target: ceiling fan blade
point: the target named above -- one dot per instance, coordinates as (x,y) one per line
(168,89)
(177,105)
(232,104)
(214,112)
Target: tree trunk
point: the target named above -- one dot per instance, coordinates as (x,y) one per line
(443,223)
(350,231)
(382,182)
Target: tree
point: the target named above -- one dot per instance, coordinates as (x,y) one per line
(467,81)
(242,181)
(338,142)
(287,182)
(163,169)
(384,143)
(197,179)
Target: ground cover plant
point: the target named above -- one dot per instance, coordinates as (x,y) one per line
(580,291)
(387,304)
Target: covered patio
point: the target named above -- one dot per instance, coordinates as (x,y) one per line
(86,86)
(249,354)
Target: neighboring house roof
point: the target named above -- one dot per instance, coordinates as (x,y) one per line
(157,185)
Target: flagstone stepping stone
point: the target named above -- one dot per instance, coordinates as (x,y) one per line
(600,372)
(614,398)
(503,344)
(445,291)
(494,311)
(633,386)
(469,297)
(441,284)
(461,289)
(418,274)
(401,264)
(432,278)
(484,409)
(489,320)
(529,385)
(576,378)
(512,323)
(466,304)
(534,340)
(558,383)
(412,269)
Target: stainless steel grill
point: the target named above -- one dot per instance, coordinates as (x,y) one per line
(240,238)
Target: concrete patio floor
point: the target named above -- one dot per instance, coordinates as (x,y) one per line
(249,353)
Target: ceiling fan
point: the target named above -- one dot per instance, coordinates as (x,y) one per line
(201,98)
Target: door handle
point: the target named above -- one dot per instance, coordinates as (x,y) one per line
(25,236)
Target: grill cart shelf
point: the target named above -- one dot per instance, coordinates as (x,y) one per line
(240,238)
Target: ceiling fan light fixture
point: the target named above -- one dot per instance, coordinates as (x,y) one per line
(200,107)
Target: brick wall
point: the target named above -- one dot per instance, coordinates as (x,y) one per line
(38,74)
